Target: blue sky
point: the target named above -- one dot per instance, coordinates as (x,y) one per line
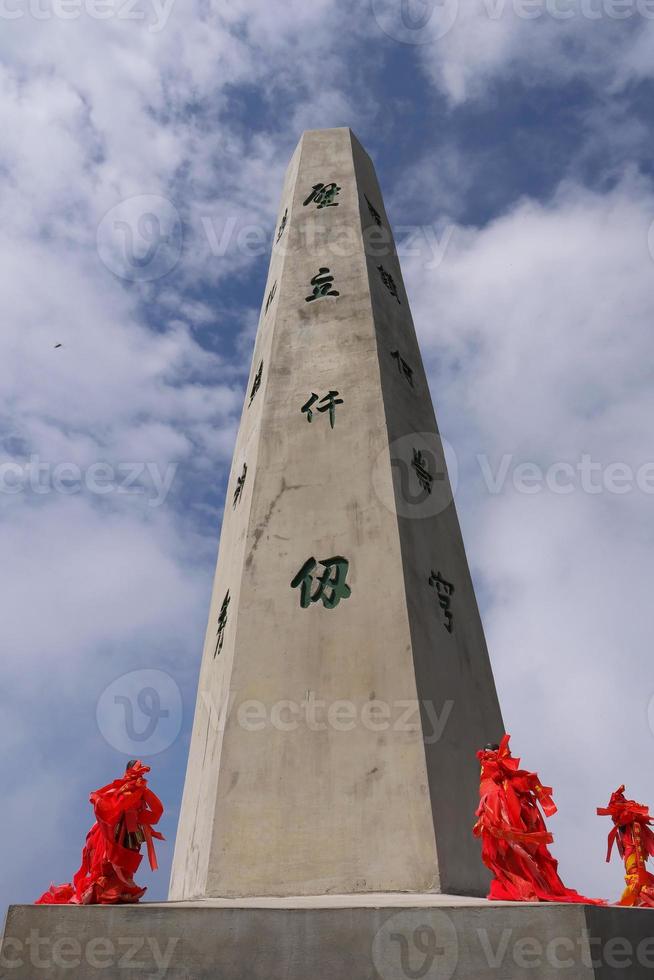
(516,151)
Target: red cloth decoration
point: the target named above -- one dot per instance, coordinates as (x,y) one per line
(635,842)
(125,811)
(513,832)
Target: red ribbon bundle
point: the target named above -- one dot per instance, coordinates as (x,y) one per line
(126,812)
(513,832)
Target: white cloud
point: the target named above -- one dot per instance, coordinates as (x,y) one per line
(599,42)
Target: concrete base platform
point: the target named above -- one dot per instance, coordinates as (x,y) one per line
(366,937)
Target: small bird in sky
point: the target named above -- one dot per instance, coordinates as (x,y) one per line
(58,345)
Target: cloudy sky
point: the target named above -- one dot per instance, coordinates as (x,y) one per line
(143,147)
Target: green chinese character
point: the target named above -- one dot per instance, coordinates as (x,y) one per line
(330,587)
(322,195)
(322,285)
(326,404)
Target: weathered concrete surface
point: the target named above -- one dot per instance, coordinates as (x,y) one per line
(460,941)
(333,750)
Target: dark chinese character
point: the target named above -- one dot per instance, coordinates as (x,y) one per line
(403,367)
(322,285)
(425,479)
(389,282)
(445,591)
(240,483)
(374,213)
(330,586)
(271,296)
(322,195)
(326,404)
(257,382)
(282,225)
(222,623)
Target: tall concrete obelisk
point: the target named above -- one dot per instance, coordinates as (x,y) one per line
(345,684)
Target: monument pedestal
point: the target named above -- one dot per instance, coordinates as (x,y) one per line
(366,937)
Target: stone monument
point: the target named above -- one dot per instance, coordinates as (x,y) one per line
(345,684)
(342,606)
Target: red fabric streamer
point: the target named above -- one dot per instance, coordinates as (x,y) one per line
(125,812)
(635,840)
(513,832)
